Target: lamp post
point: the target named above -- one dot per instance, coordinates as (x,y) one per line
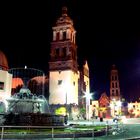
(65,90)
(66,116)
(66,104)
(88,97)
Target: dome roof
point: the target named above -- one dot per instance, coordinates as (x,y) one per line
(17,82)
(3,61)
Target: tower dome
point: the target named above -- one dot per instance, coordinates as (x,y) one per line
(64,19)
(3,61)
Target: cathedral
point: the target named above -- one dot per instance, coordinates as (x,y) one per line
(66,83)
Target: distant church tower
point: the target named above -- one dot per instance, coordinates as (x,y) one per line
(63,71)
(114,84)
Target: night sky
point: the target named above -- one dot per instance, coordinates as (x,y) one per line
(107,33)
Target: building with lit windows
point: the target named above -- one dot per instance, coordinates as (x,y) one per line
(134,109)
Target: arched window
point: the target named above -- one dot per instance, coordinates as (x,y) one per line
(116,92)
(112,85)
(112,92)
(57,53)
(64,35)
(112,78)
(64,53)
(116,85)
(57,36)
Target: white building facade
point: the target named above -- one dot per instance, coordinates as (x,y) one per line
(63,67)
(5,82)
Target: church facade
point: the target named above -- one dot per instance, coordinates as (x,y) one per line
(65,84)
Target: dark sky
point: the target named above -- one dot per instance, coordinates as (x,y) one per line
(107,33)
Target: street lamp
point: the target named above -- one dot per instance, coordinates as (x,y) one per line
(66,105)
(88,97)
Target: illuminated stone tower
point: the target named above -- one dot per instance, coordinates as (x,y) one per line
(114,84)
(84,84)
(84,89)
(63,71)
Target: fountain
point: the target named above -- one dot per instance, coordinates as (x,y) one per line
(27,102)
(28,108)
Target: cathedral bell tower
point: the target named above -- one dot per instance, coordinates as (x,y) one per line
(63,71)
(114,84)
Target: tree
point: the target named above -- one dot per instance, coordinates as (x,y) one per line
(83,113)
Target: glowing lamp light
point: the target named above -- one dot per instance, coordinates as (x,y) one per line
(88,96)
(119,103)
(111,105)
(130,106)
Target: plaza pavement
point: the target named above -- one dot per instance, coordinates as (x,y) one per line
(131,130)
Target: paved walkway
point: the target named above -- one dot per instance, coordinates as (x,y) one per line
(131,130)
